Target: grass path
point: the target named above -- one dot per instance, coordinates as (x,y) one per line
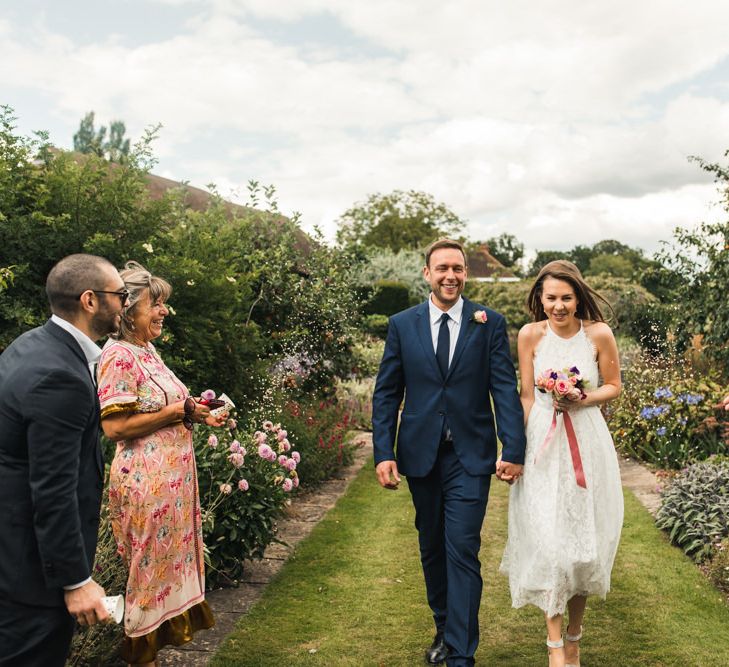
(353,595)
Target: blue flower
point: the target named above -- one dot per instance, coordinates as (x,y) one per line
(663,392)
(690,399)
(661,430)
(661,410)
(647,412)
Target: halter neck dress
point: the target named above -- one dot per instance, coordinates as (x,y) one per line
(563,538)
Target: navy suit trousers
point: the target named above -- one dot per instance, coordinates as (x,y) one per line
(450,506)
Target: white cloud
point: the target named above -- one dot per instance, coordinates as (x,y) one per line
(519,116)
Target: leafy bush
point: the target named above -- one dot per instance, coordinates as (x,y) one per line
(376,325)
(390,297)
(405,266)
(695,508)
(366,356)
(356,396)
(666,414)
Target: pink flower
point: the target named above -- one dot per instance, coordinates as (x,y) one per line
(287,485)
(271,456)
(232,424)
(281,435)
(237,459)
(243,485)
(208,395)
(296,482)
(282,460)
(213,440)
(267,425)
(226,489)
(291,464)
(480,316)
(549,384)
(296,456)
(234,446)
(285,445)
(562,386)
(264,451)
(259,437)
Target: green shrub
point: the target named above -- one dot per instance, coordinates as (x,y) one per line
(356,395)
(390,297)
(366,356)
(376,325)
(666,414)
(695,508)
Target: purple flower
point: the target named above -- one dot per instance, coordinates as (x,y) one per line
(661,430)
(575,370)
(208,395)
(125,470)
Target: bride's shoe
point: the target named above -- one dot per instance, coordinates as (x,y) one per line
(555,645)
(574,656)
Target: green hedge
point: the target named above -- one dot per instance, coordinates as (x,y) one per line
(389,297)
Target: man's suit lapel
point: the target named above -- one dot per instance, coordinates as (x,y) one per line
(466,330)
(426,338)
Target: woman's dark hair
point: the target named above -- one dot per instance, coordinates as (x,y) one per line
(588,307)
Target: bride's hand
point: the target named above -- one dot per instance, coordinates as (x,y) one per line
(569,401)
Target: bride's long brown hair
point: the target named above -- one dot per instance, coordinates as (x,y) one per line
(588,306)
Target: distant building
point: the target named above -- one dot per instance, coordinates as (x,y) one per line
(484,267)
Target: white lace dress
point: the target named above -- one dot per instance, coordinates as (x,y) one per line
(563,538)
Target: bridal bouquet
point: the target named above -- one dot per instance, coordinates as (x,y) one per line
(560,383)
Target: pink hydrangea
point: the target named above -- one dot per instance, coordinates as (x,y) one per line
(237,459)
(243,485)
(287,485)
(212,440)
(226,489)
(296,456)
(282,460)
(208,395)
(234,446)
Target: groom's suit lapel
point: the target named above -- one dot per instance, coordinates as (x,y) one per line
(426,338)
(466,330)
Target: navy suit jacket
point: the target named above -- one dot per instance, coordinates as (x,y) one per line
(480,372)
(51,468)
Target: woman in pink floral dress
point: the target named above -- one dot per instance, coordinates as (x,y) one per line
(153,492)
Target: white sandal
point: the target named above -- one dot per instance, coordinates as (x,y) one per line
(574,638)
(554,644)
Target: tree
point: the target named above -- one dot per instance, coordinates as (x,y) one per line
(544,257)
(613,265)
(506,248)
(89,140)
(399,220)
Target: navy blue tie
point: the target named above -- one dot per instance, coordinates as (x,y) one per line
(444,345)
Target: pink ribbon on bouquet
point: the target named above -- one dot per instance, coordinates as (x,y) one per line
(574,446)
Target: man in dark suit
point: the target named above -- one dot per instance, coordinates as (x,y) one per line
(51,469)
(450,359)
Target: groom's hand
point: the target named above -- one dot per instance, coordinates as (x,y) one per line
(509,472)
(387,474)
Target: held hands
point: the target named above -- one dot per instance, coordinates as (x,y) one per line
(200,414)
(387,475)
(508,472)
(84,603)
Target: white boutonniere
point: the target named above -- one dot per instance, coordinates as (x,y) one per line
(479,316)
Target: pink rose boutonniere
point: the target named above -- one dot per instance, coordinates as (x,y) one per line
(479,316)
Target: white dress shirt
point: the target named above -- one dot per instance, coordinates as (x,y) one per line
(92,352)
(454,324)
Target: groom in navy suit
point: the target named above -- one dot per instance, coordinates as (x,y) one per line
(450,360)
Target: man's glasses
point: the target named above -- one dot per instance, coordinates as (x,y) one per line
(123,294)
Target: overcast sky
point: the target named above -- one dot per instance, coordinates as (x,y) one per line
(559,121)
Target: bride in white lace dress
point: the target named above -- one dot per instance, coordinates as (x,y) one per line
(566,512)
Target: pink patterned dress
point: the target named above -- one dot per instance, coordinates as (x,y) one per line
(154,506)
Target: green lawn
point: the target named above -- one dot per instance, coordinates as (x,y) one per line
(353,595)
